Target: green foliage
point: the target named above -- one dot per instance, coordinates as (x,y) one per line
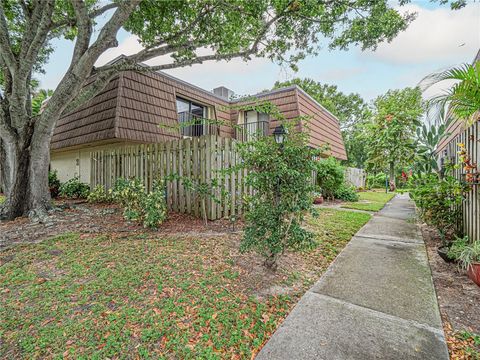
(53,183)
(463,98)
(465,252)
(100,195)
(457,247)
(281,179)
(426,146)
(330,176)
(38,99)
(73,189)
(346,193)
(376,181)
(438,201)
(147,208)
(391,135)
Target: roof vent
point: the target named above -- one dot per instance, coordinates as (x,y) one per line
(223,92)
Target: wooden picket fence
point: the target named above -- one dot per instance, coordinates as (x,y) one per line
(471,205)
(356,177)
(201,159)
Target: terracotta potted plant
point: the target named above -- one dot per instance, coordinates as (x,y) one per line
(317,198)
(468,256)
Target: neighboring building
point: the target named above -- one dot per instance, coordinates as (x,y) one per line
(146,107)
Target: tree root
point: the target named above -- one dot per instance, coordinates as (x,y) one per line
(39,215)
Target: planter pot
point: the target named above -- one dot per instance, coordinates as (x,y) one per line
(473,272)
(318,200)
(442,251)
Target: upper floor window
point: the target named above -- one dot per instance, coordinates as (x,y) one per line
(191,117)
(252,123)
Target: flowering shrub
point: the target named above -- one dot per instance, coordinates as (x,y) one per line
(472,175)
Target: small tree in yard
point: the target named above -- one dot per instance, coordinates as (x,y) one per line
(391,134)
(280,176)
(183,32)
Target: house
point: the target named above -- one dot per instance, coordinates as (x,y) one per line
(146,107)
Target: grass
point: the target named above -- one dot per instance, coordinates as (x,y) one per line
(138,297)
(370,201)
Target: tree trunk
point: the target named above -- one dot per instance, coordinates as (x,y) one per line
(25,176)
(392,177)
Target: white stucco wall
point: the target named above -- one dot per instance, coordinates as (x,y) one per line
(72,163)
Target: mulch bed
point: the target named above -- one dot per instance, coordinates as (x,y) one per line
(79,216)
(458,296)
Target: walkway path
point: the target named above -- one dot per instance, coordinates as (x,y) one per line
(376,301)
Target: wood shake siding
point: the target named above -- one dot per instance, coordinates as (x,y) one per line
(323,126)
(284,100)
(141,107)
(93,121)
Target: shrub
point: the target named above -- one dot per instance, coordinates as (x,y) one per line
(438,201)
(457,247)
(281,179)
(149,209)
(346,193)
(73,188)
(53,183)
(330,176)
(376,181)
(100,195)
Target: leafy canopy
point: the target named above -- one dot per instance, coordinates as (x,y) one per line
(391,134)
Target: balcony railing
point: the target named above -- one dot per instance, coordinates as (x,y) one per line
(194,125)
(249,131)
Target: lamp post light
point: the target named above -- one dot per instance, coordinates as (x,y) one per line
(279,134)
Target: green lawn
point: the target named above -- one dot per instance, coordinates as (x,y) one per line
(370,201)
(149,296)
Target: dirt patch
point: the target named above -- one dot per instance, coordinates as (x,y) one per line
(81,217)
(458,296)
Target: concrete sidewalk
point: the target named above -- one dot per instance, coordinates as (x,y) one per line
(376,301)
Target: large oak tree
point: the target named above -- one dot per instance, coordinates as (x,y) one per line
(282,30)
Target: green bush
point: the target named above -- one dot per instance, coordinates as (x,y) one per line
(53,183)
(346,193)
(330,176)
(73,188)
(376,181)
(438,201)
(466,252)
(150,209)
(281,179)
(100,195)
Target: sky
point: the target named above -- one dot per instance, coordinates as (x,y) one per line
(438,38)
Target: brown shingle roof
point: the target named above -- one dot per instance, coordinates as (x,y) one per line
(134,104)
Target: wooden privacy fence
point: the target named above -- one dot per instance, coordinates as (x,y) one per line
(355,177)
(471,205)
(199,159)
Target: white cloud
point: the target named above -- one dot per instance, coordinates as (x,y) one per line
(436,35)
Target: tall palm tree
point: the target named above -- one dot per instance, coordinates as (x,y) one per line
(463,98)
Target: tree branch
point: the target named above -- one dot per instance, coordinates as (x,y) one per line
(84,30)
(5,44)
(92,15)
